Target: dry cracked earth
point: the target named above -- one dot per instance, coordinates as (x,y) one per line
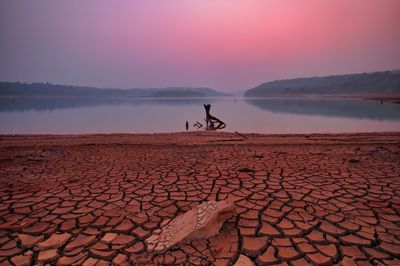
(300,200)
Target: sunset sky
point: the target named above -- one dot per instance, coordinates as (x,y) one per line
(224,44)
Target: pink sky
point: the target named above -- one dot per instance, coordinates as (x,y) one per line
(224,44)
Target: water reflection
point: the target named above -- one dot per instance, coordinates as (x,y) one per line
(121,115)
(20,104)
(347,108)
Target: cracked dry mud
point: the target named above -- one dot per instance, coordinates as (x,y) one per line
(300,200)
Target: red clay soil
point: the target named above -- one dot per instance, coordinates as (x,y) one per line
(300,199)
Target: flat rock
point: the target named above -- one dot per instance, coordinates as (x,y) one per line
(22,260)
(120,259)
(54,241)
(79,241)
(201,222)
(28,241)
(347,262)
(48,255)
(108,237)
(244,261)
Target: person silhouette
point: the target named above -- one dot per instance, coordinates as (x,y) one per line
(187,125)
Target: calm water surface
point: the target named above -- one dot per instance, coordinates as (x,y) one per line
(80,115)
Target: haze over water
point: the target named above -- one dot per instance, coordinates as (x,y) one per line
(72,115)
(230,46)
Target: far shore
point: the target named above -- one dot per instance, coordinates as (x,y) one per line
(384,97)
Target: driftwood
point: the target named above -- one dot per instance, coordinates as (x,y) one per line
(198,124)
(212,123)
(243,136)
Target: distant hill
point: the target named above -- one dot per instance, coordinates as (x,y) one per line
(178,93)
(378,82)
(48,89)
(201,92)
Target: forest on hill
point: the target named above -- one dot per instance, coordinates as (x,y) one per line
(48,89)
(378,82)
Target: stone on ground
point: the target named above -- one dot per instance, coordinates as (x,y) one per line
(201,222)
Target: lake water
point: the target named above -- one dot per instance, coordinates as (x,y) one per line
(80,115)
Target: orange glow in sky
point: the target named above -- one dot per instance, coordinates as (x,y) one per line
(224,44)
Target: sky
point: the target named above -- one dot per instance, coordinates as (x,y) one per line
(227,45)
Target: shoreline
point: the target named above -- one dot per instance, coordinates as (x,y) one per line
(199,138)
